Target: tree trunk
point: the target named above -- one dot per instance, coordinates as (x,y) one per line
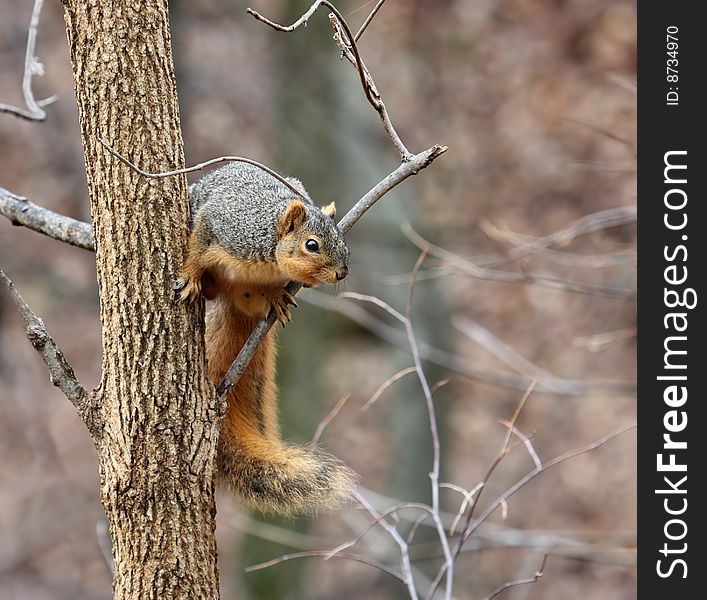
(156,408)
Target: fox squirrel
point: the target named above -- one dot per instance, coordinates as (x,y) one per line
(250,236)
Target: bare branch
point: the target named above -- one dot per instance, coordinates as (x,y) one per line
(350,51)
(412,167)
(199,167)
(303,20)
(517,411)
(402,544)
(413,530)
(33,67)
(21,211)
(498,348)
(324,554)
(468,497)
(505,450)
(329,418)
(526,245)
(599,221)
(405,170)
(273,533)
(379,519)
(385,385)
(434,475)
(511,277)
(522,482)
(509,584)
(505,379)
(347,44)
(529,245)
(525,439)
(368,20)
(60,372)
(584,545)
(599,341)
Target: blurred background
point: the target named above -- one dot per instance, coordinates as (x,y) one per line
(536,101)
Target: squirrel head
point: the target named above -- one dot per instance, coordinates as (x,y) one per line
(311,248)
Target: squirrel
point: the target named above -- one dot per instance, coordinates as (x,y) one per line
(251,234)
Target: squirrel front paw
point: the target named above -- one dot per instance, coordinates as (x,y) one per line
(281,305)
(186,289)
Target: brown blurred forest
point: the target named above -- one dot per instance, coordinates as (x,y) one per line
(536,101)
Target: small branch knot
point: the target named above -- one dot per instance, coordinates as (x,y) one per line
(37,335)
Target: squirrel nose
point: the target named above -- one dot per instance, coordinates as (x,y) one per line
(341,273)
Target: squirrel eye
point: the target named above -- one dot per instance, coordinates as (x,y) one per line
(312,245)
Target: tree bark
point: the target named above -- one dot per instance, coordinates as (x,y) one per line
(156,409)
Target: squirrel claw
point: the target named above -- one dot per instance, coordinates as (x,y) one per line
(289,299)
(280,305)
(185,289)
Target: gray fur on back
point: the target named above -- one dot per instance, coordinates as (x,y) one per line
(240,205)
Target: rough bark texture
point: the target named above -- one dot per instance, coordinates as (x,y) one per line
(157,409)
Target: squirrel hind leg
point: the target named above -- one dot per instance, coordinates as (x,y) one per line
(289,480)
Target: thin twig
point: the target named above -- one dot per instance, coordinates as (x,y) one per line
(525,245)
(385,385)
(273,533)
(33,67)
(525,439)
(368,20)
(592,546)
(505,450)
(432,417)
(351,53)
(439,384)
(528,245)
(21,211)
(324,553)
(599,341)
(413,530)
(303,20)
(517,411)
(479,272)
(522,482)
(60,372)
(405,170)
(329,418)
(434,475)
(509,584)
(347,44)
(406,566)
(497,377)
(598,221)
(508,355)
(200,166)
(379,520)
(468,497)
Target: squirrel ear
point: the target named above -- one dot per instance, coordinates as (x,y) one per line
(329,210)
(294,216)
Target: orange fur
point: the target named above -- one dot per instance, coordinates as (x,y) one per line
(268,474)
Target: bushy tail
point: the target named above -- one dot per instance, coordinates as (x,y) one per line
(285,479)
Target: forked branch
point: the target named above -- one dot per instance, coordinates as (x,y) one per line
(34,111)
(346,41)
(60,371)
